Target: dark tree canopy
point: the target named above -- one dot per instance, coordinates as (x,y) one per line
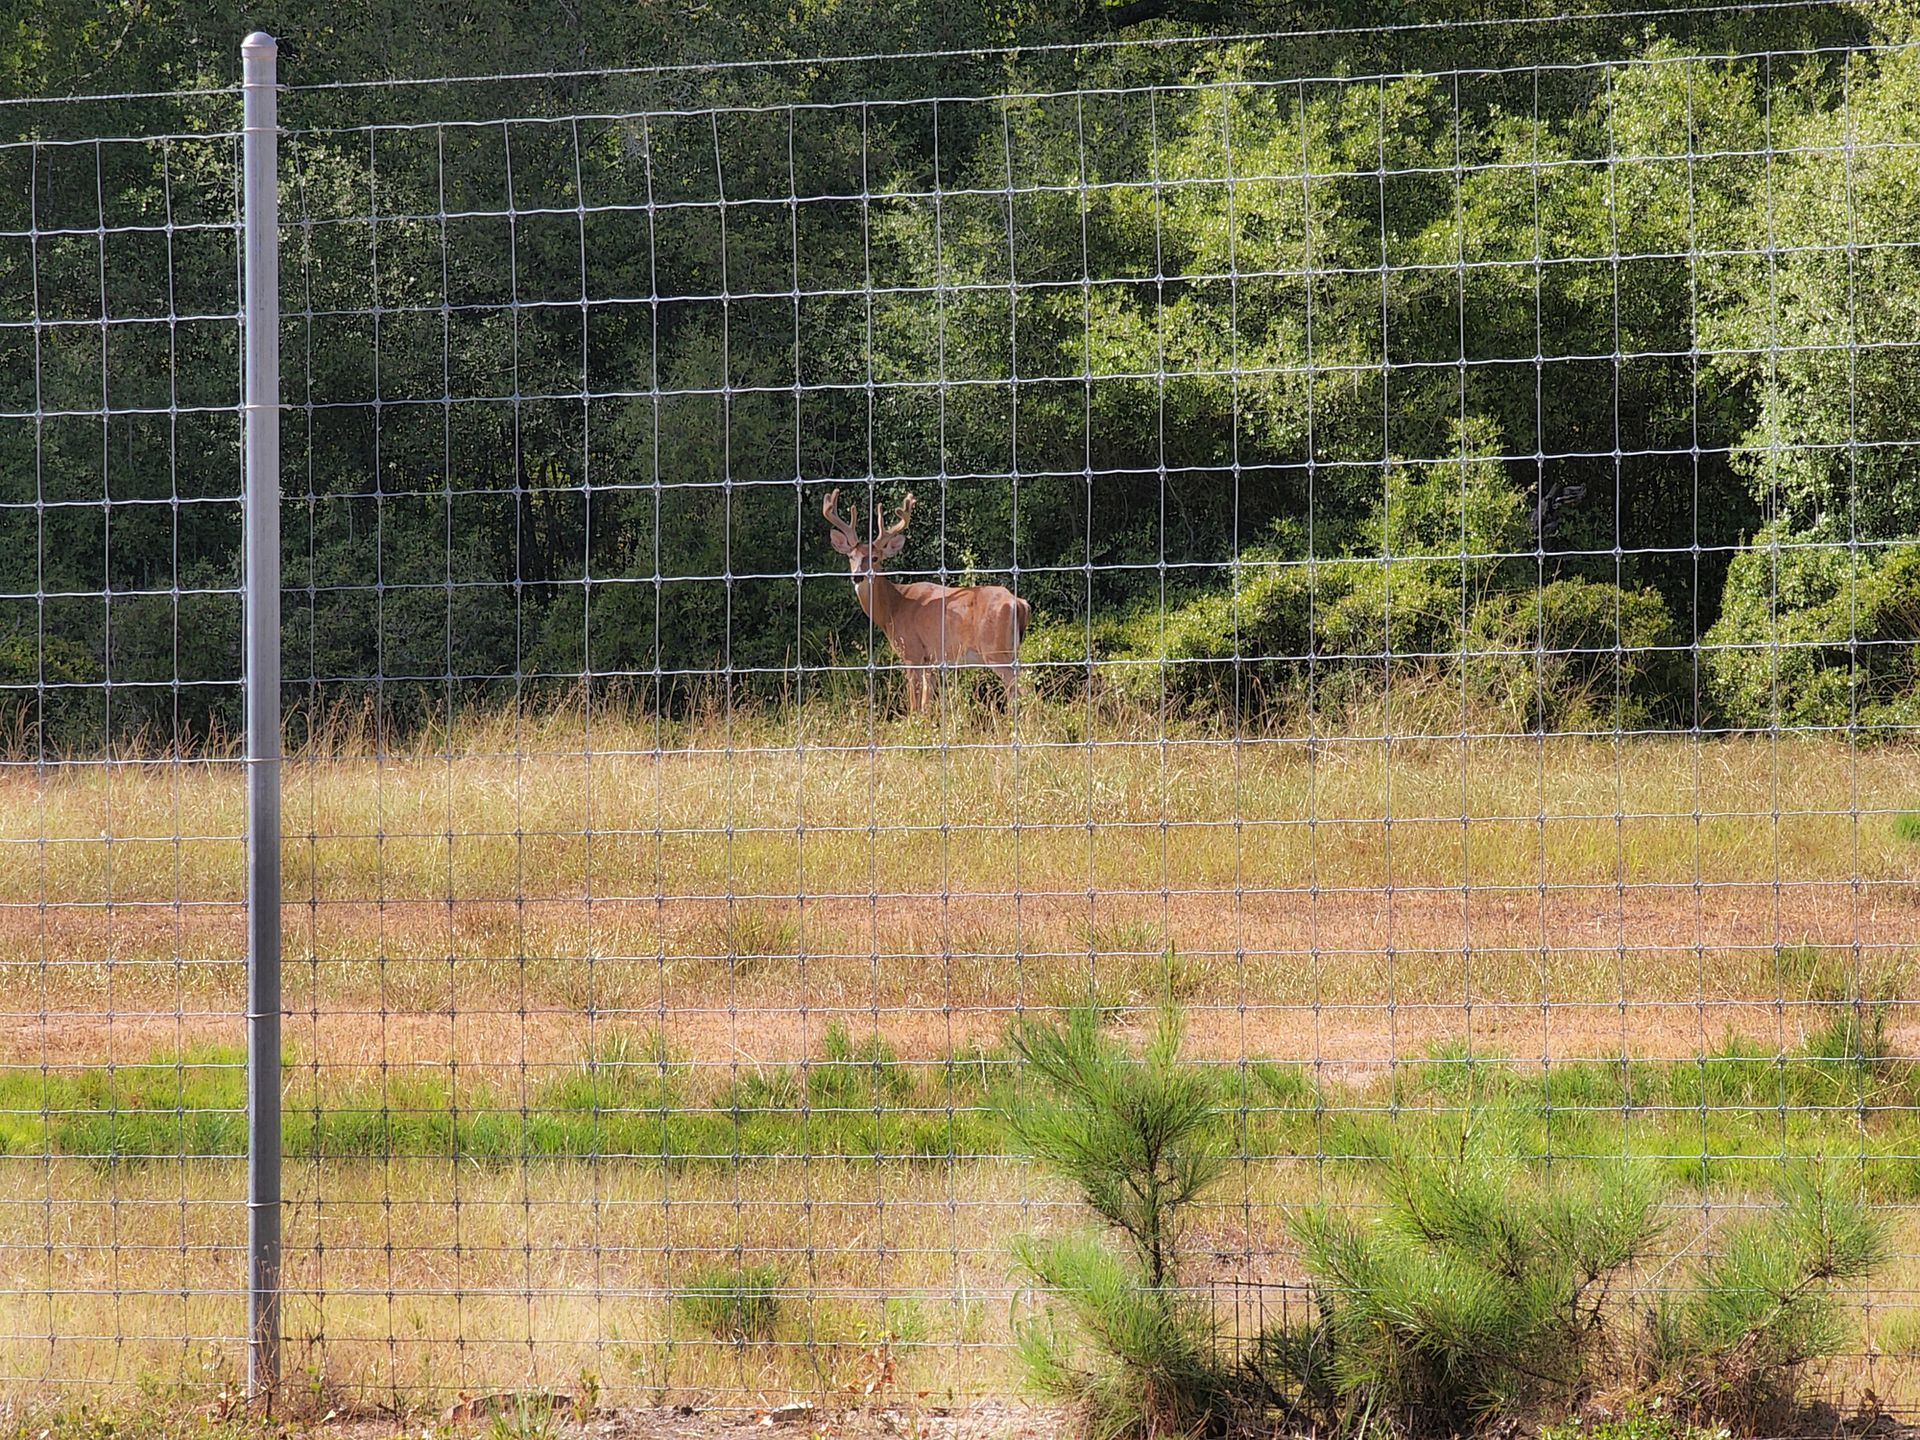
(1557,382)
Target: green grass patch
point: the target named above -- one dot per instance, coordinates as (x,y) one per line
(1640,1422)
(737,1303)
(858,1101)
(190,1103)
(1724,1118)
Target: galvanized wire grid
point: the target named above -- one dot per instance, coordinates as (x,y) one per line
(648,969)
(121,1236)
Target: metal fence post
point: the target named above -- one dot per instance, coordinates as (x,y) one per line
(262,506)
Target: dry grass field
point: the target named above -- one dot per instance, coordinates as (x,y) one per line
(687,919)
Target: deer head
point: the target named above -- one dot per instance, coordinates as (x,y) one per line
(844,535)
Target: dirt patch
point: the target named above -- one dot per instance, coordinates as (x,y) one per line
(1275,918)
(504,1050)
(1338,978)
(988,1420)
(893,1420)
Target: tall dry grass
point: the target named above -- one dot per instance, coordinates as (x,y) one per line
(832,857)
(412,1282)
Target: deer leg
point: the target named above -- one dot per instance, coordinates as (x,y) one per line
(1010,677)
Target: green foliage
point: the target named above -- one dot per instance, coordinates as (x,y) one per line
(208,1408)
(1463,509)
(1639,1422)
(1133,1356)
(864,1076)
(1846,1054)
(1846,377)
(187,1104)
(630,1101)
(1140,1138)
(1572,654)
(1486,1285)
(906,1320)
(1429,575)
(1413,347)
(1907,827)
(1575,654)
(1814,631)
(1706,1120)
(50,702)
(738,1303)
(1854,1051)
(529,1415)
(1736,1342)
(1491,1285)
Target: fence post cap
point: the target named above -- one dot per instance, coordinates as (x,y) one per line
(259,42)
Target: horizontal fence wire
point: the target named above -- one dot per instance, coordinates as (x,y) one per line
(1463,529)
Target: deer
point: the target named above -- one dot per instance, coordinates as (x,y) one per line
(931,627)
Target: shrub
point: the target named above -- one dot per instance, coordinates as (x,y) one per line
(1485,1284)
(1212,645)
(70,717)
(1488,1284)
(1134,1358)
(1574,654)
(1340,621)
(1058,653)
(1814,631)
(1140,1138)
(737,1303)
(1465,509)
(1423,584)
(1736,1344)
(1373,611)
(1390,586)
(1437,536)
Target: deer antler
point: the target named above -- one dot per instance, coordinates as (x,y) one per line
(844,526)
(906,514)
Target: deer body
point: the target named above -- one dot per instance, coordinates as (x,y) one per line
(931,627)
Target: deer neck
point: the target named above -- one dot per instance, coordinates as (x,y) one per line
(879,597)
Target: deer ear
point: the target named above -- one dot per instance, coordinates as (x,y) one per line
(840,542)
(889,545)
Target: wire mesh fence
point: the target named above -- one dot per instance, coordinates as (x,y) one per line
(119,428)
(1436,593)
